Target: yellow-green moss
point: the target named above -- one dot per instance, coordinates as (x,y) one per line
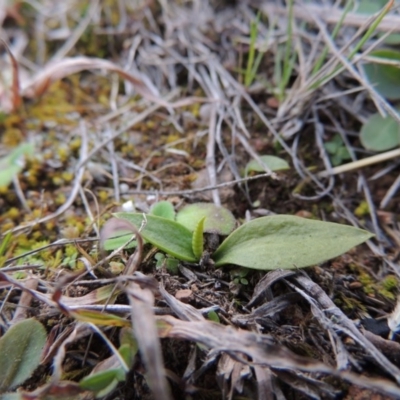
(362,210)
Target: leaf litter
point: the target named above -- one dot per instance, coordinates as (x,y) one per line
(165,103)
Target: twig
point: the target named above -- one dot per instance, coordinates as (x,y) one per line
(204,189)
(365,162)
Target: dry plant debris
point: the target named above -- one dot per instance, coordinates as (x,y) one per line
(109,106)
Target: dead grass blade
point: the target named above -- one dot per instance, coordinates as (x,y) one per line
(57,70)
(344,324)
(260,350)
(25,301)
(260,292)
(270,308)
(97,296)
(10,103)
(182,310)
(146,334)
(6,280)
(231,375)
(265,387)
(68,66)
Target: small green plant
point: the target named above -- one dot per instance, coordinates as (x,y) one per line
(238,276)
(337,150)
(170,263)
(253,61)
(279,241)
(103,380)
(321,77)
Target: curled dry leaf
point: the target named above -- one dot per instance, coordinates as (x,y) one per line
(146,333)
(67,66)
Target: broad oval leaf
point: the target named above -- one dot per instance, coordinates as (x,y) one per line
(21,349)
(287,242)
(163,209)
(167,235)
(217,219)
(384,77)
(380,133)
(272,162)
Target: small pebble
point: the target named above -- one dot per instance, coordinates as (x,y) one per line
(355,285)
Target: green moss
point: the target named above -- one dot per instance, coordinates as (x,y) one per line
(362,210)
(390,283)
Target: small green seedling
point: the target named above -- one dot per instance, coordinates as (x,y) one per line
(238,276)
(253,61)
(170,263)
(104,381)
(337,150)
(267,243)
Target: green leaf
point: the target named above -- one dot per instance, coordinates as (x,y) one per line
(103,380)
(21,349)
(4,244)
(198,239)
(11,164)
(370,6)
(163,209)
(213,316)
(167,235)
(385,77)
(287,242)
(129,346)
(118,241)
(217,219)
(379,133)
(99,318)
(272,162)
(392,39)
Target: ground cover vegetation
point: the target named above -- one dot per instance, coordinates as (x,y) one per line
(199,199)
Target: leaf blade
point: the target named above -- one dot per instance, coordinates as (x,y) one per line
(21,349)
(163,209)
(380,133)
(272,162)
(197,240)
(385,77)
(217,219)
(165,234)
(287,242)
